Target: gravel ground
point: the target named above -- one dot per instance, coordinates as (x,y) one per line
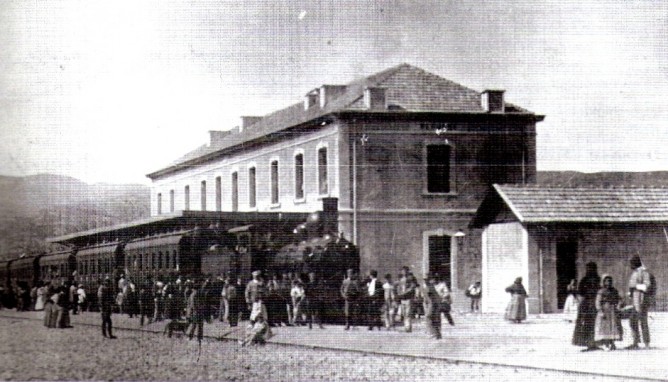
(29,351)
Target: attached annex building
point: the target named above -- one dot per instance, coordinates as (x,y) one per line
(547,235)
(408,154)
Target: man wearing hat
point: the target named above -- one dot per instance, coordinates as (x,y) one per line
(639,286)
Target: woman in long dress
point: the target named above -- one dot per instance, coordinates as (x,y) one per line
(517,311)
(39,302)
(608,327)
(583,334)
(571,304)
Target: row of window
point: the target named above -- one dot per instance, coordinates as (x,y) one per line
(153,261)
(323,186)
(94,266)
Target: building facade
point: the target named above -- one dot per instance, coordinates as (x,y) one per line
(408,154)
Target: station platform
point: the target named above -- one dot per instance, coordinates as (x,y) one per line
(541,342)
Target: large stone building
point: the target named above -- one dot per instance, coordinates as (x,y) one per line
(408,154)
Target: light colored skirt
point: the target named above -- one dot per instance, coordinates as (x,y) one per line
(607,326)
(516,310)
(571,307)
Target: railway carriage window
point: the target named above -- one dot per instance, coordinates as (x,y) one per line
(203,195)
(299,176)
(323,187)
(152,260)
(252,187)
(171,200)
(235,191)
(159,203)
(167,260)
(274,182)
(186,191)
(160,260)
(219,194)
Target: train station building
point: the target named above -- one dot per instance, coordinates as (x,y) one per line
(407,155)
(547,235)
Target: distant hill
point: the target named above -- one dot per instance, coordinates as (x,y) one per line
(38,206)
(603,179)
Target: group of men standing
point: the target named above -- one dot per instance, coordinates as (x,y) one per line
(375,303)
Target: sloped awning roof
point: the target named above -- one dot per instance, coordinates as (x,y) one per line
(548,204)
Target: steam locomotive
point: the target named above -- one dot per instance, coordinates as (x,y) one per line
(193,251)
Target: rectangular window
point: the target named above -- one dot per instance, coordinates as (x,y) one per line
(171,200)
(323,187)
(203,195)
(159,203)
(274,182)
(235,191)
(438,168)
(219,194)
(187,196)
(299,176)
(252,197)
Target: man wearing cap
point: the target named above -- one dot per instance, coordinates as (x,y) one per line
(639,284)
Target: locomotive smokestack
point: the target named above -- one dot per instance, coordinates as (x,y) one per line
(330,216)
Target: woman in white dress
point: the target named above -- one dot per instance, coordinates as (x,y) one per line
(572,302)
(39,302)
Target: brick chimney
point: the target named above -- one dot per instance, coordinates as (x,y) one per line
(311,99)
(247,121)
(217,136)
(374,98)
(492,101)
(330,92)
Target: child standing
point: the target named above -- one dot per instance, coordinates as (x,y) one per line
(297,293)
(607,329)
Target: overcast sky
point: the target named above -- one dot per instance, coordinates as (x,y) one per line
(109,91)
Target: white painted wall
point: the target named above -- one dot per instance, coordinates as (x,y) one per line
(284,151)
(504,258)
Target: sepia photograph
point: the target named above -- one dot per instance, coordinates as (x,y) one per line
(334,190)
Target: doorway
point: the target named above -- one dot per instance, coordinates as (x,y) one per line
(440,257)
(567,252)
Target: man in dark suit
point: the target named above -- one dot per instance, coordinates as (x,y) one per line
(375,300)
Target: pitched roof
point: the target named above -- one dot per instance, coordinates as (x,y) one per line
(540,204)
(409,89)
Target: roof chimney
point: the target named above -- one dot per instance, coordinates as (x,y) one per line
(311,99)
(330,92)
(492,101)
(247,121)
(374,98)
(216,136)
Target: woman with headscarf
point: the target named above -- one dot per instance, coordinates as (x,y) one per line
(607,328)
(571,304)
(517,311)
(583,335)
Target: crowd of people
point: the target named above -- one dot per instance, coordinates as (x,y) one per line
(291,299)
